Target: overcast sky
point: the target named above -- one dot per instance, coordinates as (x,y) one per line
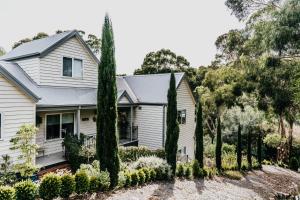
(189,28)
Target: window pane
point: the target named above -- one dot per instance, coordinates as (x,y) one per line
(67,67)
(67,124)
(77,68)
(53,126)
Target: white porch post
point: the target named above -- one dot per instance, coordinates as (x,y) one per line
(131,122)
(78,122)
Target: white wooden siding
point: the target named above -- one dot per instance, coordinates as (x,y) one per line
(51,66)
(185,102)
(124,100)
(32,67)
(17,109)
(88,127)
(149,120)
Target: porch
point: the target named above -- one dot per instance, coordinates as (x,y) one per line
(55,124)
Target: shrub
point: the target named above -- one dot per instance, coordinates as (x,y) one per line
(122,179)
(197,171)
(128,179)
(161,167)
(142,176)
(152,174)
(188,172)
(211,172)
(272,140)
(229,161)
(228,148)
(104,180)
(50,186)
(236,175)
(67,185)
(135,179)
(26,190)
(82,182)
(147,174)
(209,150)
(94,184)
(129,154)
(180,170)
(7,193)
(294,165)
(91,169)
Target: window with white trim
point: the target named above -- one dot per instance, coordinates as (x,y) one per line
(181,116)
(58,125)
(72,67)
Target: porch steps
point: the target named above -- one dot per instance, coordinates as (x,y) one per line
(53,168)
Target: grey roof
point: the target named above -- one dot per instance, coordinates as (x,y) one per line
(141,89)
(42,47)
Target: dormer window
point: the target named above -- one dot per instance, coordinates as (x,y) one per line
(72,67)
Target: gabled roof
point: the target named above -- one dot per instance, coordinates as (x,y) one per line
(42,47)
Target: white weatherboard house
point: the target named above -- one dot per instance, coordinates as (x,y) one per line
(52,82)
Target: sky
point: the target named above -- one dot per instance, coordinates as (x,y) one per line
(189,28)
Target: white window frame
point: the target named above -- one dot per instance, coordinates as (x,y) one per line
(2,125)
(60,125)
(73,58)
(180,122)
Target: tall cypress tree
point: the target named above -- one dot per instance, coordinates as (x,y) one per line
(249,148)
(199,135)
(259,144)
(219,145)
(107,141)
(172,125)
(239,147)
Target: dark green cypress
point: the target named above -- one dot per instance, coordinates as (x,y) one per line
(259,148)
(239,147)
(107,141)
(249,148)
(172,125)
(219,145)
(199,135)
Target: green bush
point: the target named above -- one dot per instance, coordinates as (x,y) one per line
(142,176)
(197,171)
(7,193)
(236,175)
(294,164)
(273,140)
(67,185)
(91,169)
(82,182)
(94,184)
(26,190)
(210,172)
(147,174)
(122,179)
(152,175)
(188,172)
(228,148)
(180,170)
(229,161)
(50,186)
(104,180)
(135,179)
(128,179)
(129,154)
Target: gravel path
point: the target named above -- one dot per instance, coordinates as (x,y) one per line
(255,185)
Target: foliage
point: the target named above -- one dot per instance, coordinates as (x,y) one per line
(129,154)
(142,176)
(273,140)
(2,51)
(82,182)
(180,170)
(67,185)
(197,170)
(239,148)
(94,184)
(106,139)
(50,186)
(87,152)
(229,161)
(219,146)
(147,174)
(91,169)
(23,142)
(199,136)
(128,179)
(294,164)
(249,149)
(135,179)
(104,180)
(236,175)
(7,175)
(188,172)
(259,148)
(7,193)
(26,190)
(172,134)
(211,172)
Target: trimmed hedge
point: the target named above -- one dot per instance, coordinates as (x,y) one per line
(82,182)
(7,193)
(129,154)
(67,185)
(50,186)
(26,190)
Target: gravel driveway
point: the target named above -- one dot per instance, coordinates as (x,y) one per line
(255,185)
